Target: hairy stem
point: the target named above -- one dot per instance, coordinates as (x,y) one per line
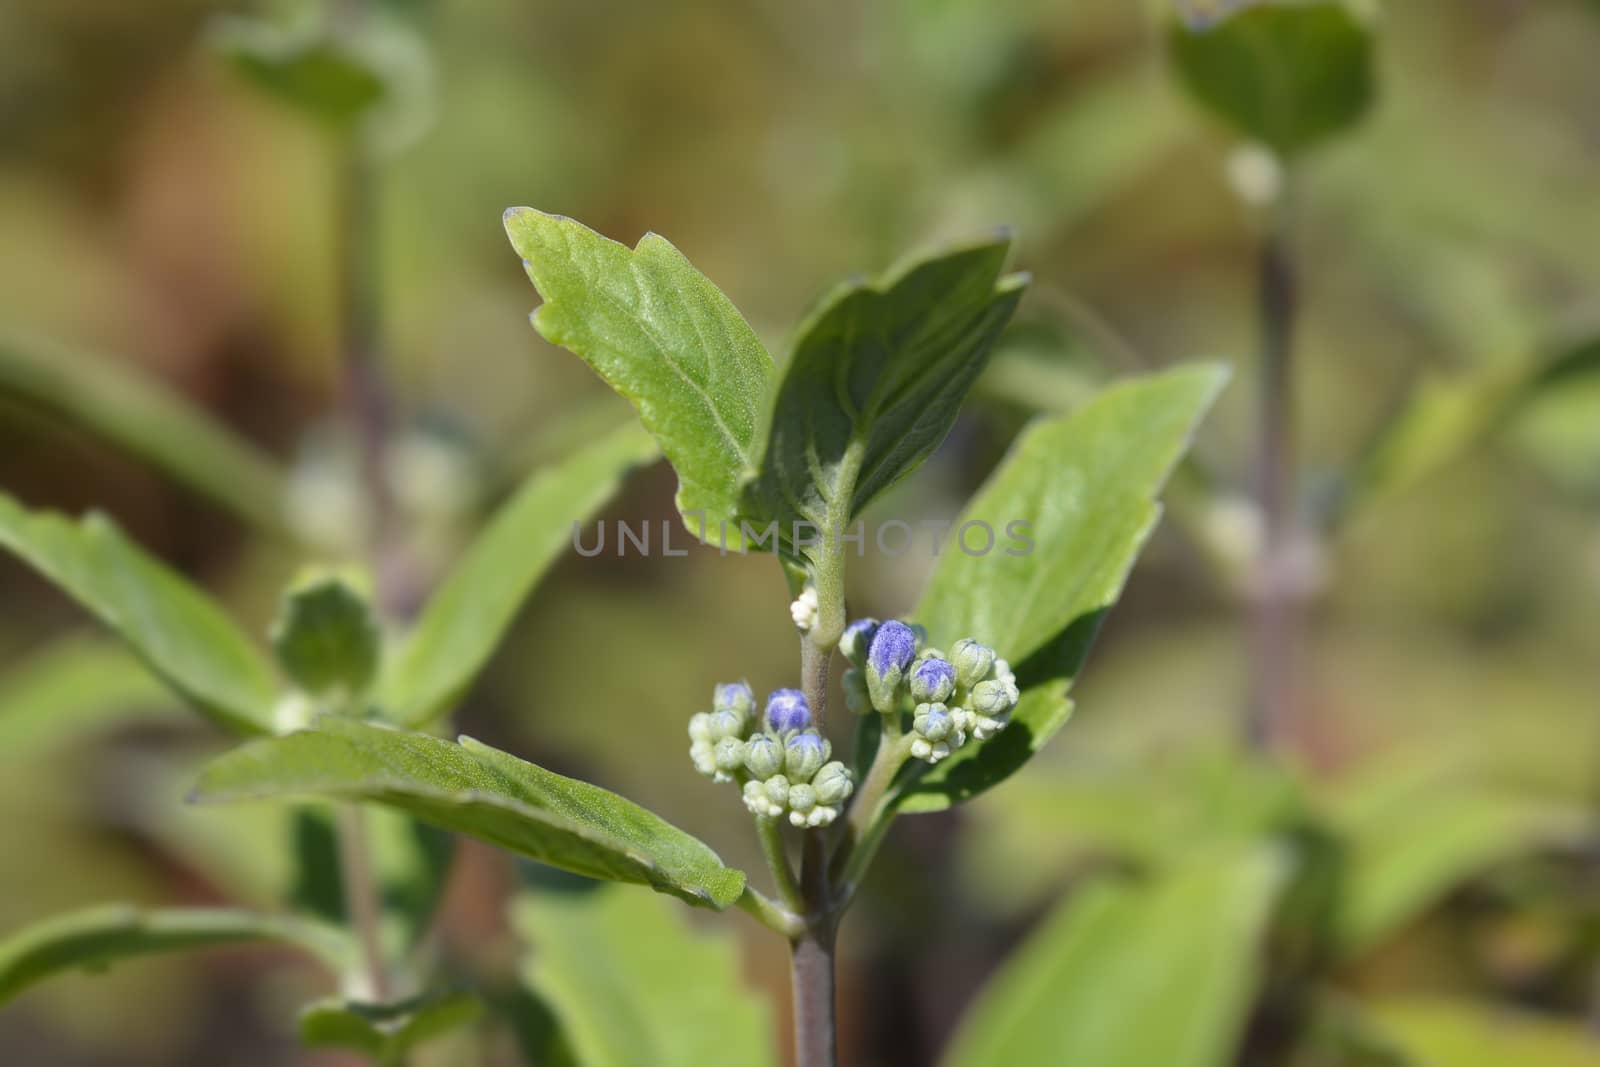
(361,898)
(771,914)
(1276,593)
(770,832)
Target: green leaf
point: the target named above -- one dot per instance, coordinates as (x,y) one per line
(474,789)
(1403,858)
(1462,1033)
(326,637)
(1132,974)
(632,982)
(467,615)
(876,380)
(1085,485)
(385,1033)
(175,628)
(146,420)
(661,334)
(1287,73)
(98,937)
(70,688)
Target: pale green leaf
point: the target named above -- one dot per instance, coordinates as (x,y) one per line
(1084,486)
(1462,1033)
(476,790)
(632,983)
(1287,73)
(98,937)
(147,420)
(385,1033)
(1132,974)
(661,334)
(326,637)
(175,628)
(465,618)
(876,380)
(71,688)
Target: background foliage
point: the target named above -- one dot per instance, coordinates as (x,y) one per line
(172,220)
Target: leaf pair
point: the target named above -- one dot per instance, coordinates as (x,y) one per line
(873,385)
(187,641)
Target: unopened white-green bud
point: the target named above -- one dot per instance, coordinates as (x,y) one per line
(833,784)
(804,754)
(932,751)
(727,723)
(972,661)
(777,790)
(756,798)
(933,721)
(703,753)
(700,727)
(763,756)
(856,697)
(802,798)
(729,757)
(992,698)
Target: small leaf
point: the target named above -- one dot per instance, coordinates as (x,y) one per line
(98,937)
(473,789)
(876,380)
(1177,954)
(71,688)
(1463,1033)
(326,638)
(175,628)
(1084,486)
(633,983)
(1287,73)
(661,334)
(466,617)
(146,420)
(385,1033)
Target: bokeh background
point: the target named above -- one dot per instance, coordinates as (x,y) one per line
(166,220)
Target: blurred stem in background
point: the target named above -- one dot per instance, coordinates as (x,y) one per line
(368,406)
(1277,588)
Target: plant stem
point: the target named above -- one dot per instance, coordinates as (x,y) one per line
(866,825)
(770,832)
(770,913)
(361,898)
(1276,592)
(811,962)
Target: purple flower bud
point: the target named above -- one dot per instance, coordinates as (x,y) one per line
(894,646)
(734,696)
(787,709)
(932,681)
(857,639)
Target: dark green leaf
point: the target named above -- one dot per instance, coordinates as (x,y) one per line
(99,937)
(178,632)
(661,334)
(876,380)
(1287,73)
(473,789)
(386,1032)
(1132,974)
(1085,486)
(326,637)
(468,614)
(148,421)
(632,983)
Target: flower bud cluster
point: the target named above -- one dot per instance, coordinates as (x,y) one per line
(968,694)
(780,759)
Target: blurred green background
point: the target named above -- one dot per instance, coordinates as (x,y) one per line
(164,218)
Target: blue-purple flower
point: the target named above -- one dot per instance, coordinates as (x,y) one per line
(734,696)
(893,648)
(787,709)
(857,639)
(932,680)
